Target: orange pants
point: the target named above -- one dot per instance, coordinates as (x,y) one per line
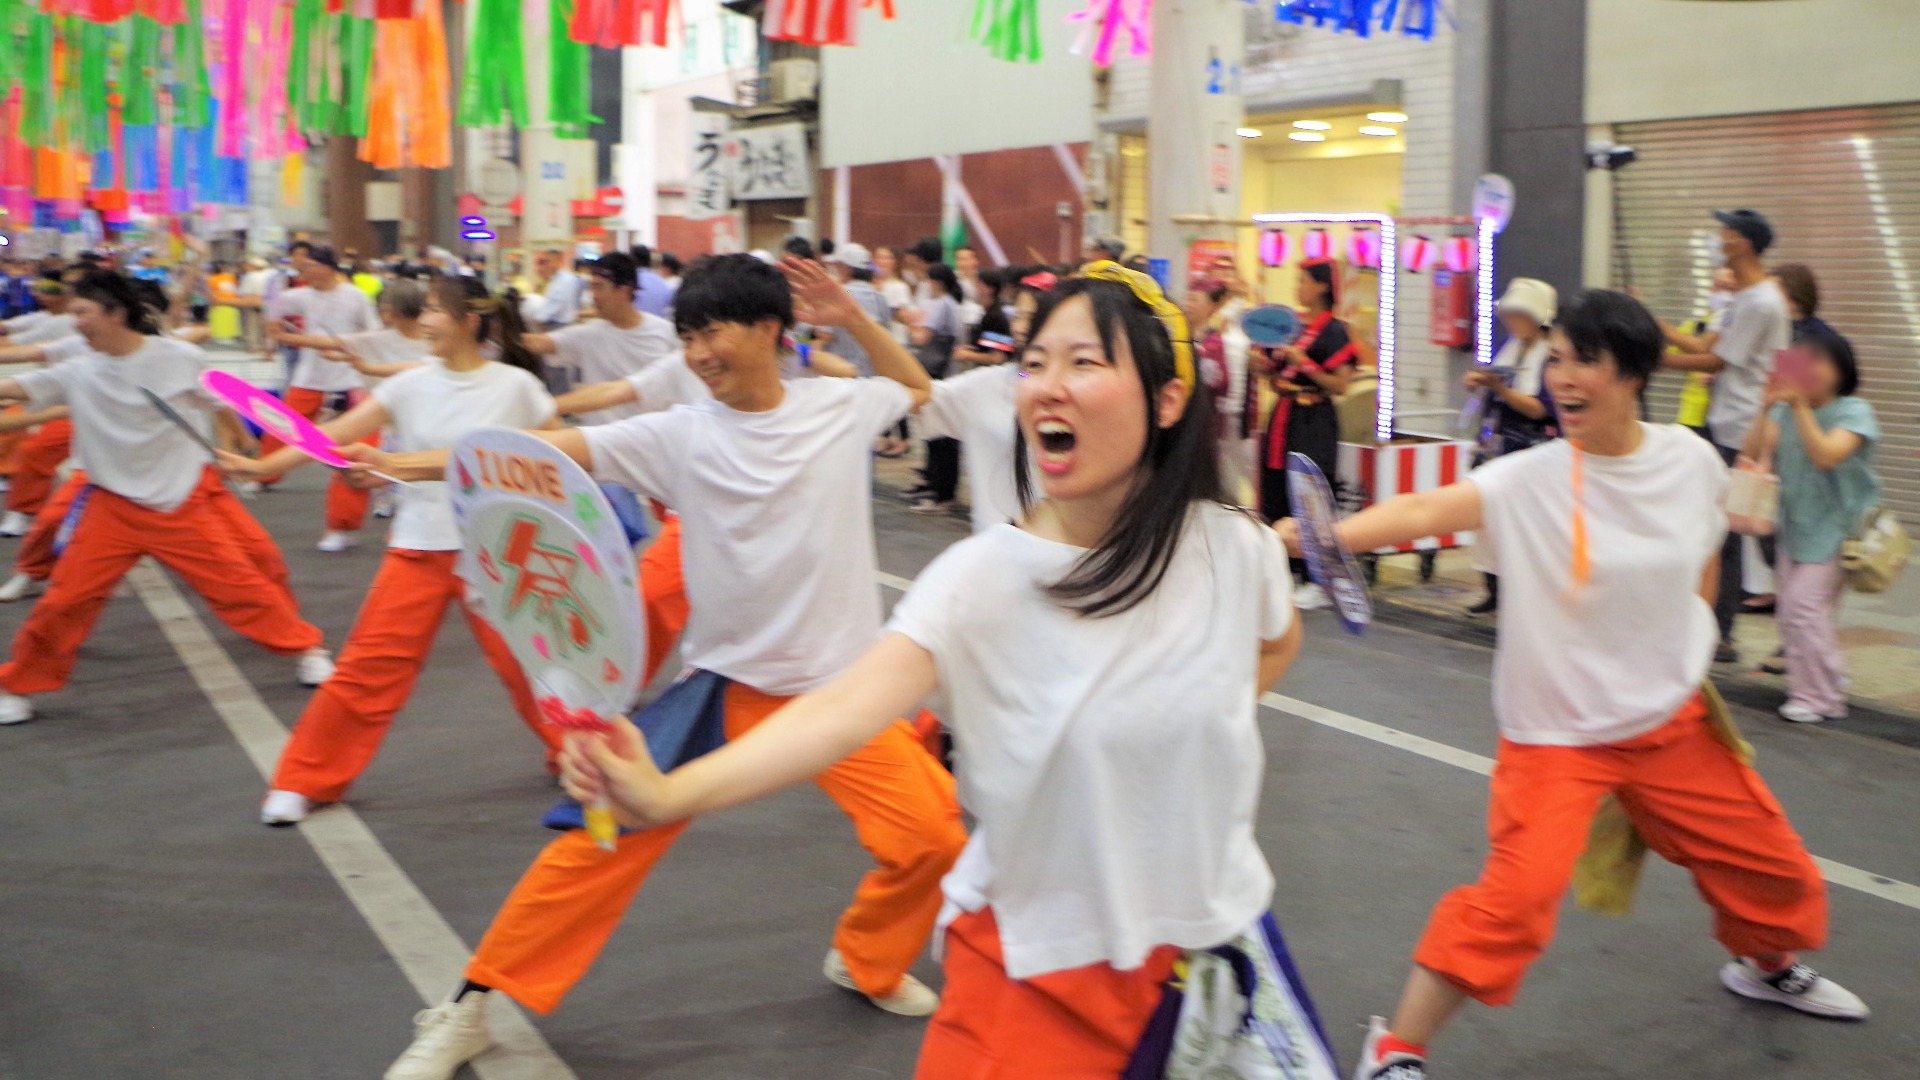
(1078,1024)
(38,463)
(196,540)
(10,443)
(1690,799)
(349,714)
(36,556)
(902,805)
(663,590)
(346,505)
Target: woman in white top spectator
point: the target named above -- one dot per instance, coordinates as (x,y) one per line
(1517,411)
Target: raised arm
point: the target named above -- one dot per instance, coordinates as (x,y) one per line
(819,300)
(810,733)
(596,396)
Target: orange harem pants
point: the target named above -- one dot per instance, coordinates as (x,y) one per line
(349,714)
(1690,799)
(37,463)
(663,591)
(902,805)
(346,505)
(198,541)
(1079,1024)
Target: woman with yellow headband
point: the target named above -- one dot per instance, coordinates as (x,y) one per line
(1102,656)
(428,407)
(1607,545)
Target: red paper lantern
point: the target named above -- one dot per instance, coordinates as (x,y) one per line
(1273,247)
(1458,255)
(1421,254)
(1363,249)
(1317,244)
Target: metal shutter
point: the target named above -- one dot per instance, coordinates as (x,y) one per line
(1842,188)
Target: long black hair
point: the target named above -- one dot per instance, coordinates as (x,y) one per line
(499,320)
(1324,272)
(942,275)
(117,292)
(1835,347)
(1176,467)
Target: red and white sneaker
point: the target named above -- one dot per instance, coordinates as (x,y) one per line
(1393,1065)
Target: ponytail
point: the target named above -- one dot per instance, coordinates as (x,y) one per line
(500,321)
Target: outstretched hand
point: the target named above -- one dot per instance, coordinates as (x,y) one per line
(818,298)
(368,463)
(615,766)
(1289,530)
(238,466)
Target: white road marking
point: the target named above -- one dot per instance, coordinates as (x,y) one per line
(1837,873)
(426,948)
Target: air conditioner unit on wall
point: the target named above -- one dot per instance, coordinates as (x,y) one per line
(791,80)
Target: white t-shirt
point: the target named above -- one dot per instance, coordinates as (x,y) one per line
(128,447)
(976,407)
(668,383)
(65,348)
(339,311)
(37,326)
(1615,660)
(1528,365)
(430,407)
(1113,764)
(1756,326)
(598,351)
(386,346)
(777,524)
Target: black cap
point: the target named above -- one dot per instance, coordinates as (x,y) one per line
(1750,224)
(324,255)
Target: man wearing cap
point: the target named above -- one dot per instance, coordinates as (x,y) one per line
(623,341)
(1739,356)
(852,264)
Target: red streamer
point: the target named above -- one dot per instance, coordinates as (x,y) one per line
(613,23)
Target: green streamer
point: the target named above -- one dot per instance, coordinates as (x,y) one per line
(358,71)
(96,131)
(1010,29)
(493,89)
(36,80)
(139,101)
(570,95)
(190,87)
(11,74)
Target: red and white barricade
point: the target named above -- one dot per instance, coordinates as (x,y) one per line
(1369,473)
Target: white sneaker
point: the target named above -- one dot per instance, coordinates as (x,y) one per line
(445,1037)
(1800,714)
(285,808)
(1396,1065)
(1798,987)
(911,998)
(18,587)
(249,488)
(15,523)
(316,666)
(15,709)
(1310,597)
(334,541)
(931,506)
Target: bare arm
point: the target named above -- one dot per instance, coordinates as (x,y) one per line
(1451,509)
(1762,437)
(1332,383)
(540,344)
(810,733)
(1710,580)
(22,354)
(596,396)
(1278,655)
(831,366)
(349,427)
(11,390)
(822,301)
(432,464)
(231,433)
(1826,449)
(1684,361)
(1698,344)
(20,421)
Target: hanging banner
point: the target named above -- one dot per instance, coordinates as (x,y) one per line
(769,162)
(709,188)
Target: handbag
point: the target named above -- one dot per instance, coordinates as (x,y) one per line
(1877,551)
(1753,499)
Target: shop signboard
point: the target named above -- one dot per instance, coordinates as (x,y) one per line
(769,162)
(1493,200)
(709,189)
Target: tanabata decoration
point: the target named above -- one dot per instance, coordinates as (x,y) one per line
(613,23)
(1458,254)
(1275,245)
(1416,18)
(553,571)
(817,22)
(1316,244)
(1010,29)
(569,102)
(493,86)
(1104,21)
(1421,254)
(1363,249)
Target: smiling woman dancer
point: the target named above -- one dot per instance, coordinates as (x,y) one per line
(1607,546)
(427,406)
(1103,656)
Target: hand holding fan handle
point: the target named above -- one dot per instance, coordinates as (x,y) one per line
(602,829)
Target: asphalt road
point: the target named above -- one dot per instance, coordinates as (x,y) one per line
(151,928)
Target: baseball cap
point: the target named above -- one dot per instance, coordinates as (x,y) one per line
(1748,223)
(855,256)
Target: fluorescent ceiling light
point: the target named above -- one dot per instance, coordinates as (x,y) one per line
(1379,129)
(1388,117)
(1248,133)
(1312,125)
(1306,136)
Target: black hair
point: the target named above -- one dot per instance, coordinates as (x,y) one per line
(642,256)
(116,292)
(942,275)
(1601,320)
(298,245)
(798,247)
(500,322)
(1835,347)
(1139,263)
(621,271)
(1176,467)
(994,283)
(1322,271)
(152,296)
(861,273)
(927,249)
(732,289)
(670,262)
(826,246)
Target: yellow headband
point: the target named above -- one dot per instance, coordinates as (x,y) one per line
(1168,312)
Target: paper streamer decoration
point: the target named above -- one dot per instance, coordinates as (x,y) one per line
(613,23)
(1274,247)
(274,416)
(1104,21)
(1458,253)
(552,571)
(1010,29)
(569,99)
(493,88)
(408,117)
(817,22)
(1417,18)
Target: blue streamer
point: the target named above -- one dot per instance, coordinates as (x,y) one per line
(140,143)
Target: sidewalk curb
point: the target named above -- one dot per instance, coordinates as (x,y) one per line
(1762,694)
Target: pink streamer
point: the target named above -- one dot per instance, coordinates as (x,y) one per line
(1106,19)
(233,96)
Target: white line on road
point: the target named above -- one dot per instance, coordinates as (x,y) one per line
(426,948)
